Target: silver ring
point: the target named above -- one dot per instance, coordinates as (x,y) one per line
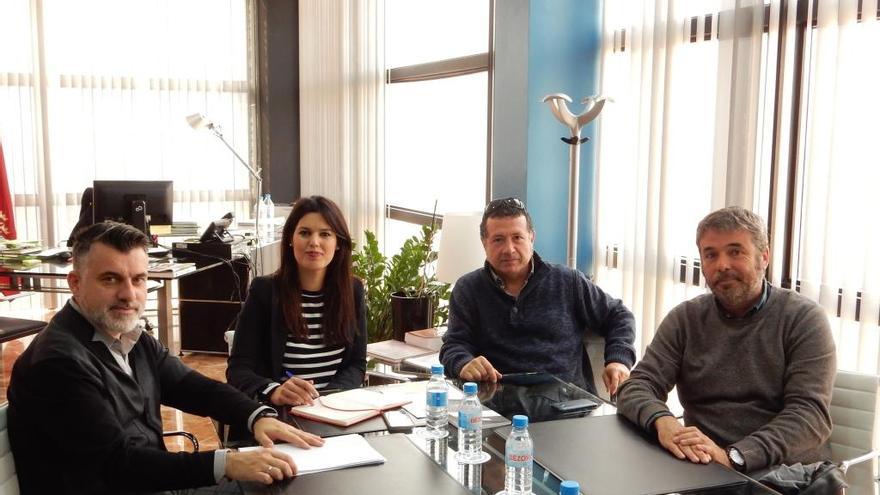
(270,468)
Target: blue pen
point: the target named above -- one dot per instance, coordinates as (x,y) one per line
(289,375)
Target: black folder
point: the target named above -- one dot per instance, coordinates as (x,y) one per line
(323,430)
(406,470)
(608,455)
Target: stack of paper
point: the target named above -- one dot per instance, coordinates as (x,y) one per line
(428,338)
(394,351)
(336,453)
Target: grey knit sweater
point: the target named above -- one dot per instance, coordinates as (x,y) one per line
(540,330)
(762,383)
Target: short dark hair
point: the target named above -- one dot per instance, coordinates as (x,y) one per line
(119,236)
(504,208)
(735,218)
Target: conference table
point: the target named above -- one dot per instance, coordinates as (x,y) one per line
(596,447)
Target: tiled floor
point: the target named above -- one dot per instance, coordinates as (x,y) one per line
(172,419)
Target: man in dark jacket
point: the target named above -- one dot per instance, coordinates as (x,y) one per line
(84,397)
(519,313)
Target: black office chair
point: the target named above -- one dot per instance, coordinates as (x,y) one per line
(86,214)
(16,328)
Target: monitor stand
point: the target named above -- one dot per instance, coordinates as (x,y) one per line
(139,218)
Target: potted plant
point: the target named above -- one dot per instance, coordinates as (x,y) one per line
(402,292)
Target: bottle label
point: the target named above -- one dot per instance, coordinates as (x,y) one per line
(519,459)
(469,421)
(437,399)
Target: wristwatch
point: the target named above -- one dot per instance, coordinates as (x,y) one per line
(736,459)
(266,412)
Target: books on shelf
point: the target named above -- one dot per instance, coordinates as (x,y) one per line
(394,351)
(336,453)
(349,407)
(428,338)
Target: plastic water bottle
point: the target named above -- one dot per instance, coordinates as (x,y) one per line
(569,487)
(470,428)
(267,219)
(518,458)
(436,403)
(259,209)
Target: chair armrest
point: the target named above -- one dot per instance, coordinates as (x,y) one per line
(185,434)
(844,465)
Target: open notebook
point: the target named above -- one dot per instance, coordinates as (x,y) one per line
(349,407)
(336,453)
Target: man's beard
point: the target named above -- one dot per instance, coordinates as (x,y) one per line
(737,294)
(105,320)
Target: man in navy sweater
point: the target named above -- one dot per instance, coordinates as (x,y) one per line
(519,313)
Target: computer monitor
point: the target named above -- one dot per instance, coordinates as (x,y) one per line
(136,202)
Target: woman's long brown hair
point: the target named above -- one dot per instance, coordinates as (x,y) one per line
(339,313)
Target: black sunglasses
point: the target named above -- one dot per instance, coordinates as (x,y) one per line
(511,202)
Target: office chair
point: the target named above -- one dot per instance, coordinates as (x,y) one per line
(86,213)
(855,435)
(594,363)
(8,476)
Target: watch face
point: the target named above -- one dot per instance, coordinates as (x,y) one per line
(736,456)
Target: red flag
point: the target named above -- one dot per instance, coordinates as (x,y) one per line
(7,217)
(7,220)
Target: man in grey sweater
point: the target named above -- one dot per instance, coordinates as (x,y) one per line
(754,364)
(519,313)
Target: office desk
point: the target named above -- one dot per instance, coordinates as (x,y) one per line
(536,400)
(40,278)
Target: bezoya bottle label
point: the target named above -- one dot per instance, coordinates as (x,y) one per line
(436,399)
(469,421)
(519,459)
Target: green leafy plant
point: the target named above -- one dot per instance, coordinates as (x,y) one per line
(409,273)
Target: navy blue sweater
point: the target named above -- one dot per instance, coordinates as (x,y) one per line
(540,330)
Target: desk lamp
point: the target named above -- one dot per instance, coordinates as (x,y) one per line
(199,122)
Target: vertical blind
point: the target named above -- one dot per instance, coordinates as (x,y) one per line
(766,104)
(98,89)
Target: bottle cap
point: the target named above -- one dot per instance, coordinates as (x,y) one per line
(520,421)
(569,487)
(436,369)
(470,388)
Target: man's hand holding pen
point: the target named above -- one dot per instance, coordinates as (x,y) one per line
(294,391)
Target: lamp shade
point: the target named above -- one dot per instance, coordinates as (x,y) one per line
(460,248)
(198,121)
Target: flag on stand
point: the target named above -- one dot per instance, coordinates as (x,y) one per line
(7,219)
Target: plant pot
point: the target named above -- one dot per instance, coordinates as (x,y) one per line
(410,313)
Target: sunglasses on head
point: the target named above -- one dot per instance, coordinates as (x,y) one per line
(511,202)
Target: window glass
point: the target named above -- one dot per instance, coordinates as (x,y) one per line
(419,31)
(436,148)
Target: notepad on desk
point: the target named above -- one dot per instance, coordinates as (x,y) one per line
(349,407)
(336,453)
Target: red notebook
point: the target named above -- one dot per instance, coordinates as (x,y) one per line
(349,407)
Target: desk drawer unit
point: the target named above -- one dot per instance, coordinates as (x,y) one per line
(209,302)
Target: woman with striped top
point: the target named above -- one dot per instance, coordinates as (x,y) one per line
(302,329)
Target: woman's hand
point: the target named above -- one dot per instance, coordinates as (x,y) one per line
(294,392)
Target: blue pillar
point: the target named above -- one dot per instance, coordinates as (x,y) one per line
(543,47)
